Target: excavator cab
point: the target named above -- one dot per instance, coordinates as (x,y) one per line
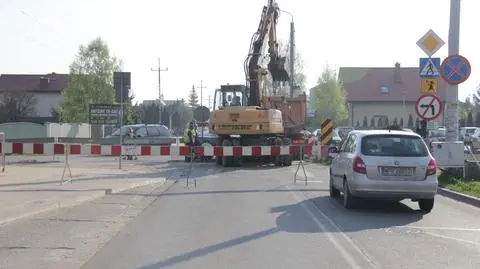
(230,96)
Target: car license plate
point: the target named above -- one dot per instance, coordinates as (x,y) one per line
(397,171)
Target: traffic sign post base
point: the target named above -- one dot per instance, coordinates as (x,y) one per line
(449,154)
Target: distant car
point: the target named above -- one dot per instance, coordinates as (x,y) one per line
(384,164)
(145,134)
(335,143)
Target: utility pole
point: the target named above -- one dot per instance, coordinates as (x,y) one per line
(160,97)
(452,90)
(209,106)
(201,91)
(292,57)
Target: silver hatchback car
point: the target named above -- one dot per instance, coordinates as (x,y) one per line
(384,164)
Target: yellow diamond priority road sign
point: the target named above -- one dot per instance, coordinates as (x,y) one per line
(430,43)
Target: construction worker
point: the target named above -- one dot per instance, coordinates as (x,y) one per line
(190,138)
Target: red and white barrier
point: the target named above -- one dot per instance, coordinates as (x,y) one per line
(148,150)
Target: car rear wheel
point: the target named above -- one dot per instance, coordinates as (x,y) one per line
(348,198)
(426,205)
(334,193)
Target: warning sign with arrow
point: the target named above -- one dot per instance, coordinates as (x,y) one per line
(428,107)
(429,67)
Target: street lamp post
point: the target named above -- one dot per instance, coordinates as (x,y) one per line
(292,53)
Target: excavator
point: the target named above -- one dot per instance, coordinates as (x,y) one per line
(244,115)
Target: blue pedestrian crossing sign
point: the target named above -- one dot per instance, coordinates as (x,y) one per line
(429,67)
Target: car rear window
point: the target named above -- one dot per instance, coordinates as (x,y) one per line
(393,145)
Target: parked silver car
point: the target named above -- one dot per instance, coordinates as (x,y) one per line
(384,164)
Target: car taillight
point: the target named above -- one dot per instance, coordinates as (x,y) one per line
(432,167)
(359,166)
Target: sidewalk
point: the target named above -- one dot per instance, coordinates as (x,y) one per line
(27,190)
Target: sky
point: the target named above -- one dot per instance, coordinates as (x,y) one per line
(209,40)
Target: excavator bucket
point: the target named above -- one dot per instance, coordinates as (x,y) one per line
(277,69)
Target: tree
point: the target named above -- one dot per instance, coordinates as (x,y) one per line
(470,119)
(466,107)
(90,81)
(476,98)
(365,122)
(17,105)
(385,121)
(380,123)
(401,122)
(372,123)
(395,121)
(410,122)
(329,97)
(477,119)
(193,98)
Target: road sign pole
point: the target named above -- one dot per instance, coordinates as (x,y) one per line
(451,120)
(121,124)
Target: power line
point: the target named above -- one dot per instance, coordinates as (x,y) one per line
(160,97)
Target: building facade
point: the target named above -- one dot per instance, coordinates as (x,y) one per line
(384,95)
(45,89)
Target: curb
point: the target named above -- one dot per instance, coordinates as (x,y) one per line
(79,201)
(464,198)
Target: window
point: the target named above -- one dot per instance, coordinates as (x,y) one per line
(117,132)
(349,145)
(394,145)
(471,130)
(140,132)
(384,89)
(228,98)
(163,131)
(153,131)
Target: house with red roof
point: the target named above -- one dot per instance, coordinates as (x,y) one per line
(46,89)
(384,93)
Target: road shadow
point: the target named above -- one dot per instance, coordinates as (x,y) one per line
(369,215)
(297,218)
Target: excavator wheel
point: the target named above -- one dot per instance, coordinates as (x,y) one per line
(219,159)
(236,160)
(287,160)
(227,161)
(278,160)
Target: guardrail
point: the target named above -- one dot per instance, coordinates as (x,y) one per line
(74,140)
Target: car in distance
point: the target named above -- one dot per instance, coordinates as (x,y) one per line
(384,164)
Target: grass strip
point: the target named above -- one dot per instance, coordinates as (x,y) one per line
(469,187)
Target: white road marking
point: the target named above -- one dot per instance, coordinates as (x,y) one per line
(442,228)
(345,254)
(453,238)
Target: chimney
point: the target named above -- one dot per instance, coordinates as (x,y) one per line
(44,81)
(396,73)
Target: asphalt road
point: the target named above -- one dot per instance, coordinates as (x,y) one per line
(257,218)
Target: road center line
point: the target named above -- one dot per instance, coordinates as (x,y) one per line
(345,254)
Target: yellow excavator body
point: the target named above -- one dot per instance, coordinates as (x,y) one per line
(250,120)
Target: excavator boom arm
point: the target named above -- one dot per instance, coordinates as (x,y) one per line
(254,71)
